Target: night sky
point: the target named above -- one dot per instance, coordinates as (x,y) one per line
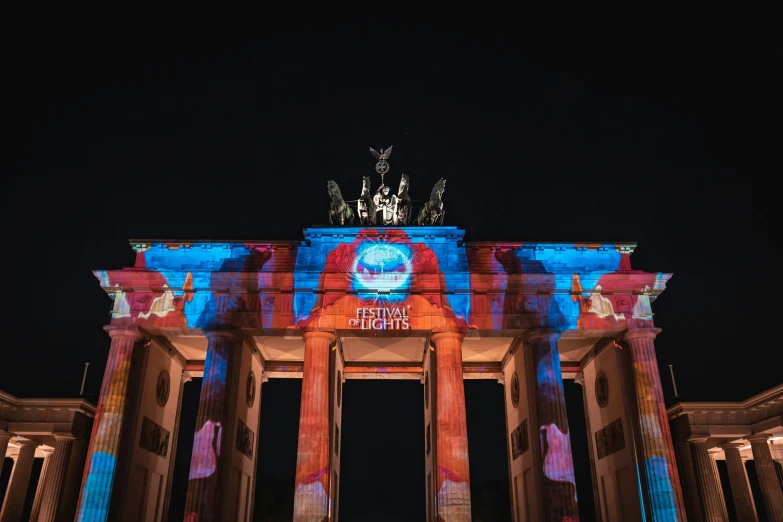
(666,140)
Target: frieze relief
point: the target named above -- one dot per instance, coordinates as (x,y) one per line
(140,302)
(245,438)
(624,303)
(268,303)
(519,440)
(154,438)
(610,439)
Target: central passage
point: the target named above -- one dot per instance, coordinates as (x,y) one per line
(382,466)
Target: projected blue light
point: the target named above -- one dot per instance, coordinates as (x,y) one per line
(382,267)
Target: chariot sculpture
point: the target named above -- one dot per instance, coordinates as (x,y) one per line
(385,208)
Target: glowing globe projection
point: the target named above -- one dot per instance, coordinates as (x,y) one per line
(382,267)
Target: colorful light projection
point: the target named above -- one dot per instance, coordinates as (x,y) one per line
(101,464)
(311,490)
(382,267)
(453,473)
(659,467)
(448,286)
(204,480)
(560,501)
(397,272)
(559,286)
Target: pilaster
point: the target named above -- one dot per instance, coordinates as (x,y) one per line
(312,486)
(20,479)
(663,492)
(740,486)
(768,480)
(453,475)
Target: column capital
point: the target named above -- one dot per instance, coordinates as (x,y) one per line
(131,332)
(63,436)
(26,443)
(698,438)
(732,446)
(579,378)
(185,377)
(327,335)
(758,437)
(48,451)
(5,435)
(535,335)
(445,335)
(633,334)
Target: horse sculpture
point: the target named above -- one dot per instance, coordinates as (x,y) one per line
(339,211)
(365,206)
(432,212)
(402,203)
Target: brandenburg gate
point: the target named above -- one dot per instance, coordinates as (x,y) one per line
(382,301)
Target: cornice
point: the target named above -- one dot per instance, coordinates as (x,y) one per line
(761,400)
(79,405)
(142,245)
(577,246)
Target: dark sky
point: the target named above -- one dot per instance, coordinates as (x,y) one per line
(669,138)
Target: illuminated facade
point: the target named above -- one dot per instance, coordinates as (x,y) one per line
(397,303)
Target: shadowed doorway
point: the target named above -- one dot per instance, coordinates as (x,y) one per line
(382,451)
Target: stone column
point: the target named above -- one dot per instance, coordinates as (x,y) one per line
(5,437)
(664,493)
(41,486)
(551,427)
(691,490)
(102,455)
(713,458)
(453,476)
(173,453)
(709,490)
(740,487)
(208,471)
(768,480)
(311,494)
(55,477)
(580,380)
(20,479)
(777,456)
